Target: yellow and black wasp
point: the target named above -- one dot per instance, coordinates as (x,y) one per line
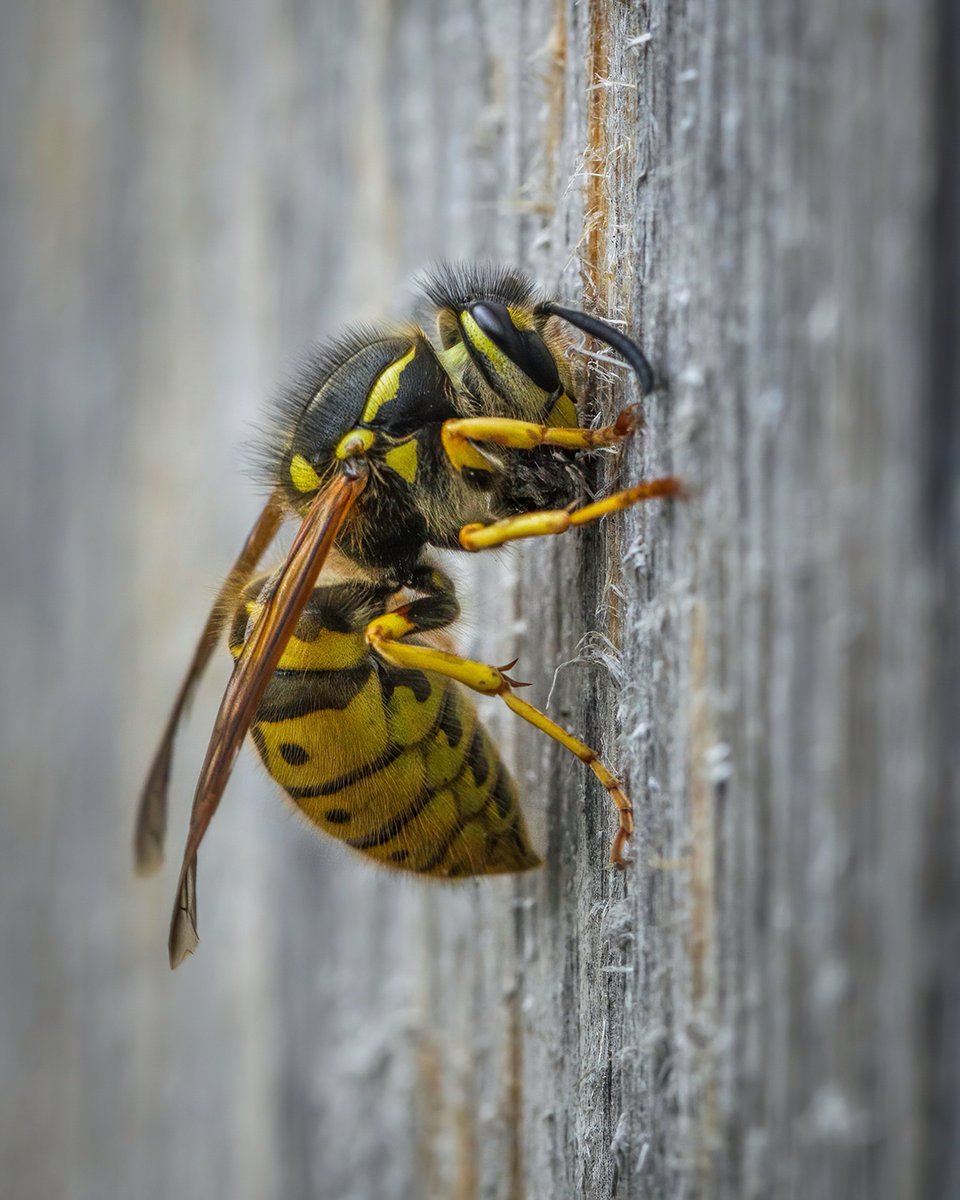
(390,445)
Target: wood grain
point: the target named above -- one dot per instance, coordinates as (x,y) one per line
(765,193)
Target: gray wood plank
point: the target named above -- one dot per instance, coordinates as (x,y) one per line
(765,1003)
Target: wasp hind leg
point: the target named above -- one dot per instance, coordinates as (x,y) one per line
(383,635)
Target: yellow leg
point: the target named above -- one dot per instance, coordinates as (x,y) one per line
(559,520)
(382,634)
(457,435)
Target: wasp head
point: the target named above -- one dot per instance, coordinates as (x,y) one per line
(497,344)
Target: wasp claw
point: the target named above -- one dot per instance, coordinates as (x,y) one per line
(508,666)
(630,419)
(618,859)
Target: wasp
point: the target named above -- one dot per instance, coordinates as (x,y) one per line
(391,445)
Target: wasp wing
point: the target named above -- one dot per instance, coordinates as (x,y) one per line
(151,824)
(251,675)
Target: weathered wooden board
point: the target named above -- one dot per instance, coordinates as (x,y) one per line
(766,1003)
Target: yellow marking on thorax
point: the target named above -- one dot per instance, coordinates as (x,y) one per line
(357,441)
(403,460)
(304,477)
(386,387)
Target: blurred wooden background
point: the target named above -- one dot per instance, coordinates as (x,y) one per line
(766,1004)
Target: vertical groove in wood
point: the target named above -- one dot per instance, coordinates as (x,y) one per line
(939,1009)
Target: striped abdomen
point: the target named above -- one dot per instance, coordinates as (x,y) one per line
(393,762)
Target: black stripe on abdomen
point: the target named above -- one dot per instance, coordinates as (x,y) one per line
(291,694)
(332,786)
(395,826)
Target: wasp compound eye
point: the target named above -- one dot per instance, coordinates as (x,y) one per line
(494,320)
(523,347)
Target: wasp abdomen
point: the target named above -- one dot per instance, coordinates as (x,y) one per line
(394,762)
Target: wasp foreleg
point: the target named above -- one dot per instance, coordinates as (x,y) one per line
(526,435)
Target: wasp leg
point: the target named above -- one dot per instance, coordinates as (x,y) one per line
(438,606)
(559,520)
(383,636)
(457,434)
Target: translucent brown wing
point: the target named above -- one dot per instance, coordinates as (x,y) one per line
(251,675)
(151,826)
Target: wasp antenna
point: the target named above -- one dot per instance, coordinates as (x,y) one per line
(613,338)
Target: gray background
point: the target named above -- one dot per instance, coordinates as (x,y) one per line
(765,191)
